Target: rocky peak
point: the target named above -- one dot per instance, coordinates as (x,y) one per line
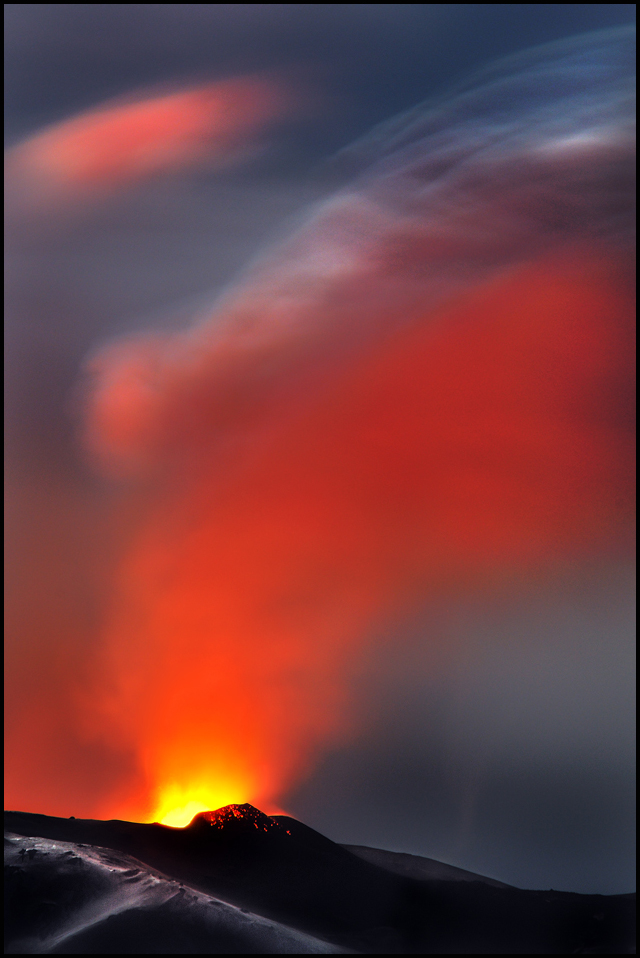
(236,818)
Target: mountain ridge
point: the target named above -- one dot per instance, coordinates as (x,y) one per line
(282,872)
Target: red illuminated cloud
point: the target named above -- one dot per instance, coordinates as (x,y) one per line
(121,142)
(428,387)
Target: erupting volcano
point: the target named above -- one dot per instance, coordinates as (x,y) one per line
(421,397)
(299,893)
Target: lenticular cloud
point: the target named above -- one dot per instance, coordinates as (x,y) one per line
(427,387)
(128,140)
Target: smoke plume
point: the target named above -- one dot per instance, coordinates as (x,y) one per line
(427,385)
(425,390)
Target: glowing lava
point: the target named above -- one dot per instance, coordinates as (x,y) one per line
(178,804)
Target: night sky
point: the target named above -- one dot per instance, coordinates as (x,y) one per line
(489,723)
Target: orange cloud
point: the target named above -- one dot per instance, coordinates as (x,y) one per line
(490,438)
(427,389)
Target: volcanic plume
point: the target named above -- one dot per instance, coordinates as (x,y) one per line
(425,390)
(428,385)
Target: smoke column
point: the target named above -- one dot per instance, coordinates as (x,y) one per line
(426,389)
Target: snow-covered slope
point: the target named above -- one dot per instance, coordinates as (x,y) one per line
(236,881)
(82,899)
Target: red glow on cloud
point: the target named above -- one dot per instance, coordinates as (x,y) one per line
(424,392)
(118,143)
(487,438)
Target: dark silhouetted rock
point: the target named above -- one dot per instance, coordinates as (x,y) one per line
(282,872)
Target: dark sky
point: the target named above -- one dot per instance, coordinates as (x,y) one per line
(497,737)
(380,58)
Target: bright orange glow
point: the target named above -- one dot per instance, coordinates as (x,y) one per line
(489,439)
(118,143)
(177,804)
(180,816)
